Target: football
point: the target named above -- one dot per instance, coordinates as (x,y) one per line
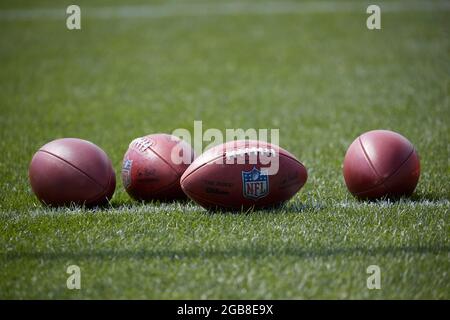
(72,171)
(243,174)
(153,165)
(381,163)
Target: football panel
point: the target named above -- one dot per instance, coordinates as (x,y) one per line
(145,174)
(359,175)
(386,150)
(56,182)
(83,155)
(177,153)
(107,194)
(233,148)
(373,193)
(405,179)
(291,178)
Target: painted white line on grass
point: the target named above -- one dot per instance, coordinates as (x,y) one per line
(387,203)
(223,8)
(168,208)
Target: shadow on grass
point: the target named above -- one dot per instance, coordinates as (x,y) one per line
(289,207)
(431,197)
(246,252)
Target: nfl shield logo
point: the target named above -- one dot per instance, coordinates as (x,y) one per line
(126,172)
(255,184)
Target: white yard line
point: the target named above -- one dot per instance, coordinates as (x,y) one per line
(224,8)
(385,204)
(191,208)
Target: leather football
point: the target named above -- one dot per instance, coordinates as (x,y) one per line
(381,163)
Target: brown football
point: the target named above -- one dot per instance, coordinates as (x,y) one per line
(153,165)
(243,174)
(381,163)
(72,171)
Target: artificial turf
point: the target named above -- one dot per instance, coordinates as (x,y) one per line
(320,76)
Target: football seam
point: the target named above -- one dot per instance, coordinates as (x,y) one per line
(199,167)
(163,160)
(223,155)
(388,177)
(371,189)
(103,193)
(400,166)
(292,158)
(166,187)
(75,167)
(370,162)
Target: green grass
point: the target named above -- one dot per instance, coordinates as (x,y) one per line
(322,78)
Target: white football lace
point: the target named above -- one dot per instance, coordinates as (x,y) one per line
(141,144)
